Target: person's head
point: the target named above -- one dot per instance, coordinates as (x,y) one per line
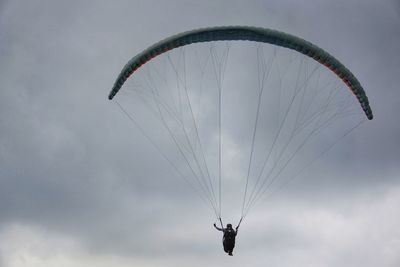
(229,226)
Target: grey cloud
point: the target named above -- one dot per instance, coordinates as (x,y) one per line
(71,162)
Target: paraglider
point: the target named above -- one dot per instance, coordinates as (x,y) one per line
(290,99)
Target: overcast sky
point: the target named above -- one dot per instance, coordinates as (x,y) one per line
(77,184)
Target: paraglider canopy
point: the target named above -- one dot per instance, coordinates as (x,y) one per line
(251,34)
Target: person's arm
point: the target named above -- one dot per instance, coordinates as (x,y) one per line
(216,227)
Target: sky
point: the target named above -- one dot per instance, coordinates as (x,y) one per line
(79,186)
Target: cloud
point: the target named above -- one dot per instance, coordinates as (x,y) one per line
(363,232)
(79,186)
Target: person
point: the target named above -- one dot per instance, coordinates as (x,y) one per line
(229,237)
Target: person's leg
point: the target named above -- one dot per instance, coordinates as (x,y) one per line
(226,249)
(231,246)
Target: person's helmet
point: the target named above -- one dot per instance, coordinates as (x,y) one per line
(229,225)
